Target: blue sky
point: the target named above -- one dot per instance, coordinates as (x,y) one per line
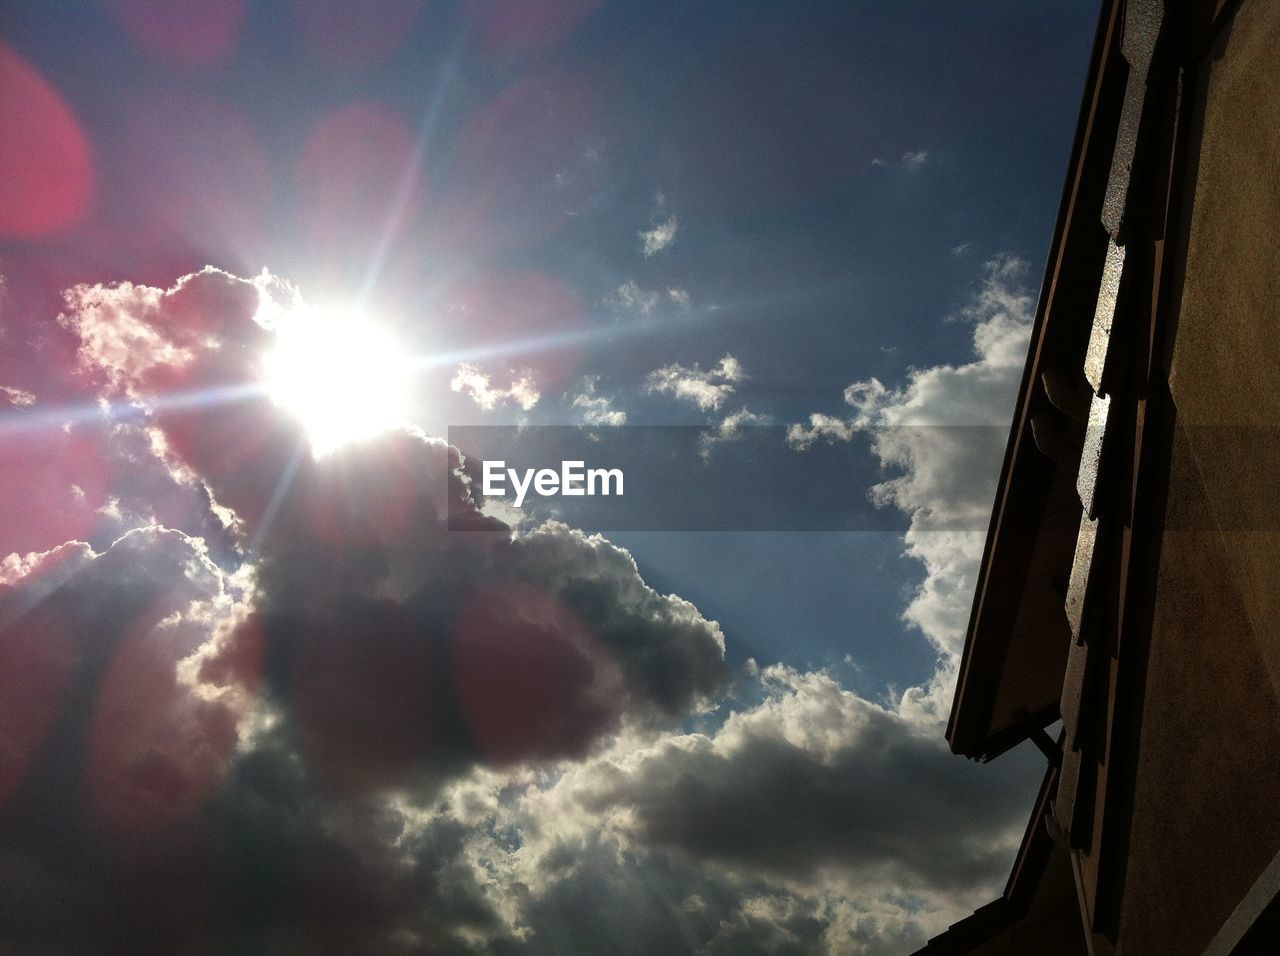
(826,217)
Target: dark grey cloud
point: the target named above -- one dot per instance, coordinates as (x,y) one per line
(392,642)
(799,783)
(813,820)
(336,726)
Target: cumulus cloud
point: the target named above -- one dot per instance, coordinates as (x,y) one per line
(706,389)
(350,725)
(139,619)
(360,536)
(349,645)
(679,296)
(597,409)
(815,759)
(660,236)
(774,828)
(471,381)
(943,433)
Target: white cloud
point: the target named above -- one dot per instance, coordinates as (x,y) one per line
(660,236)
(629,297)
(116,331)
(811,818)
(729,429)
(708,390)
(18,396)
(470,380)
(802,819)
(824,428)
(597,409)
(944,432)
(911,160)
(914,159)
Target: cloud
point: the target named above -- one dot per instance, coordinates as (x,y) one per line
(357,542)
(18,396)
(729,429)
(138,619)
(911,160)
(708,390)
(355,726)
(469,380)
(597,409)
(775,828)
(247,722)
(629,297)
(660,236)
(914,159)
(944,433)
(821,428)
(815,759)
(116,336)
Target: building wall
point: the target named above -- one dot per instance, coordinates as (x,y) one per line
(1206,819)
(1225,374)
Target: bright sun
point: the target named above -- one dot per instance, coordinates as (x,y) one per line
(342,376)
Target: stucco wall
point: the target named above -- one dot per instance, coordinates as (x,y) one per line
(1207,803)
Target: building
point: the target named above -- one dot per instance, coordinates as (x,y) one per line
(1125,618)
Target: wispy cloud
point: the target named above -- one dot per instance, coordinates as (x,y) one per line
(597,409)
(630,297)
(17,396)
(821,428)
(706,389)
(729,429)
(915,159)
(660,236)
(911,160)
(470,380)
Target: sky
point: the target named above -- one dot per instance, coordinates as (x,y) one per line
(276,675)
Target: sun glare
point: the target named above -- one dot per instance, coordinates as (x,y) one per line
(342,377)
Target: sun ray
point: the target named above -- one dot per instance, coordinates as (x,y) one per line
(40,417)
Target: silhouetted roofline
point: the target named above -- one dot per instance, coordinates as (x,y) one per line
(1060,326)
